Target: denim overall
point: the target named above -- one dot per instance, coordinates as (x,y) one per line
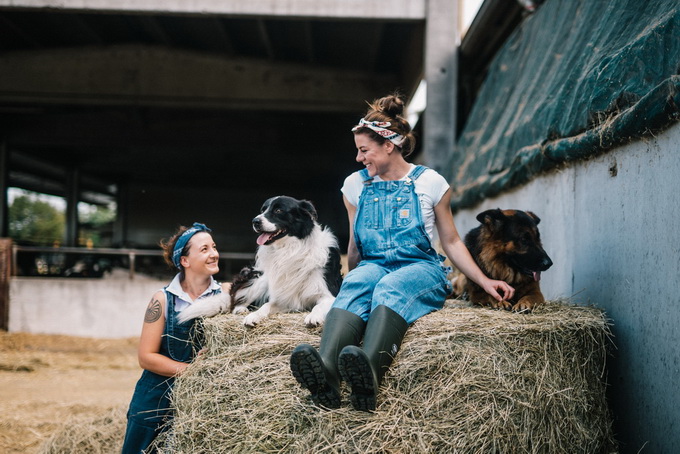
(398,267)
(150,405)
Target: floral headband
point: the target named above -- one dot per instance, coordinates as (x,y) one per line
(380,128)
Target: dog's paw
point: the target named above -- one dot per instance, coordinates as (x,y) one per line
(240,310)
(495,304)
(526,305)
(318,314)
(313,319)
(504,305)
(252,319)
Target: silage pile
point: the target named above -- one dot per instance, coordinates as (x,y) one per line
(467,380)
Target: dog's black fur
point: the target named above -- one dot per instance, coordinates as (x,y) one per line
(297,267)
(297,218)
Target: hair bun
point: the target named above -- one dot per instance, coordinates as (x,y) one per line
(392,105)
(391,108)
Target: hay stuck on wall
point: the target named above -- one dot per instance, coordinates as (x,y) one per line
(467,380)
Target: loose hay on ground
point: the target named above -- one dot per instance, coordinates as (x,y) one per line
(467,380)
(101,435)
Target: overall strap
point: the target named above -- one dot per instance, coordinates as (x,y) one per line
(365,177)
(169,307)
(177,341)
(417,171)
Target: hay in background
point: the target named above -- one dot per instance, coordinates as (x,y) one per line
(467,380)
(101,435)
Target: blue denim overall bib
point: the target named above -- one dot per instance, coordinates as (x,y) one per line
(150,404)
(398,267)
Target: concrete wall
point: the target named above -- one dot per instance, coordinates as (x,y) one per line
(110,307)
(612,227)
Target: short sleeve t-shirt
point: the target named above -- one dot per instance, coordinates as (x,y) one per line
(430,187)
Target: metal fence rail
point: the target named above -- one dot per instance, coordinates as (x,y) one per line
(132,254)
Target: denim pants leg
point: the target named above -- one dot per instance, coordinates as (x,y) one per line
(149,409)
(138,437)
(356,292)
(412,291)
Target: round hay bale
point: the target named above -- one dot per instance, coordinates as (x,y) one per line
(467,380)
(101,435)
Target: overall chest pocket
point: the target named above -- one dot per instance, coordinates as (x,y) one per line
(373,210)
(389,210)
(180,342)
(403,208)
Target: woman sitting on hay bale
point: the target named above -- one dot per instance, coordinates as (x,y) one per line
(165,347)
(395,275)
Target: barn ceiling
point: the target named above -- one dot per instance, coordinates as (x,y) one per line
(142,91)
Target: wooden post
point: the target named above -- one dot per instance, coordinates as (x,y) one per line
(5,275)
(4,185)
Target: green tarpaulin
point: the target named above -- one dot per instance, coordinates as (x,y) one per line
(576,78)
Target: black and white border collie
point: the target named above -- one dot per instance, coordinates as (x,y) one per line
(297,268)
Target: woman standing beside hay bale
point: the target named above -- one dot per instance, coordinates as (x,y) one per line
(396,276)
(166,348)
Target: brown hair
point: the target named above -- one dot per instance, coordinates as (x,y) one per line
(390,108)
(168,246)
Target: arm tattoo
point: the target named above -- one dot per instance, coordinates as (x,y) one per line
(153,311)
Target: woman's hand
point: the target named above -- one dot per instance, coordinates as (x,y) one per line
(500,290)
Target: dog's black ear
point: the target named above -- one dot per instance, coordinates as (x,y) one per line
(493,219)
(306,206)
(534,217)
(266,204)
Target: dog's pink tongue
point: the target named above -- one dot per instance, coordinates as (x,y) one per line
(263,238)
(537,276)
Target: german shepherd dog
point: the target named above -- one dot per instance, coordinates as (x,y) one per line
(507,246)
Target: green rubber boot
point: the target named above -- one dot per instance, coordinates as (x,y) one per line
(363,368)
(317,371)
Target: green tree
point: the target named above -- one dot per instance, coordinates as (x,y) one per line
(95,224)
(32,221)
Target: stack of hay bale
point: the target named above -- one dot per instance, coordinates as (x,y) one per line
(467,380)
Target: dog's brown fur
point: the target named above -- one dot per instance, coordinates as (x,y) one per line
(507,246)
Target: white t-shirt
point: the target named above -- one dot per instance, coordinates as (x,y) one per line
(430,187)
(182,299)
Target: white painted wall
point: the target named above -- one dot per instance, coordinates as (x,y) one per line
(109,307)
(615,243)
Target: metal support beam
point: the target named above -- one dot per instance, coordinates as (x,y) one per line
(398,10)
(148,76)
(120,230)
(72,197)
(442,40)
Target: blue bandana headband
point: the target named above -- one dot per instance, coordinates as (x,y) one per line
(184,238)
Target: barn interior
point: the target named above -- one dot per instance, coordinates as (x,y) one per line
(173,115)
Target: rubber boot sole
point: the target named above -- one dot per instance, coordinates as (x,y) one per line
(355,369)
(308,369)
